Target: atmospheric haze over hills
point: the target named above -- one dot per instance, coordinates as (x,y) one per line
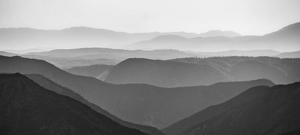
(158,67)
(283,40)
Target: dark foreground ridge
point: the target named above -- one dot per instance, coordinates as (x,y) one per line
(27,108)
(257,111)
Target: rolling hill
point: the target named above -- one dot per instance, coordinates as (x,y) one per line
(3,53)
(183,72)
(295,54)
(163,73)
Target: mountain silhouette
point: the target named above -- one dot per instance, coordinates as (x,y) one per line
(91,71)
(218,33)
(78,37)
(258,111)
(28,108)
(254,53)
(213,111)
(30,50)
(295,54)
(202,71)
(289,36)
(50,85)
(3,53)
(135,103)
(163,73)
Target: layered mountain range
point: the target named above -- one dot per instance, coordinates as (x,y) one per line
(178,83)
(85,37)
(136,103)
(285,39)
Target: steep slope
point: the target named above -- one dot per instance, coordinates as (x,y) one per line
(28,108)
(164,73)
(50,85)
(91,71)
(272,110)
(136,103)
(281,39)
(213,111)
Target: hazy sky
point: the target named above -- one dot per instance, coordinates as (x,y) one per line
(248,17)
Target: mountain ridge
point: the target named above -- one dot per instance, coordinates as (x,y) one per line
(136,103)
(273,111)
(28,108)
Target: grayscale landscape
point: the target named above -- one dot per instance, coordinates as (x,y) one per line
(158,67)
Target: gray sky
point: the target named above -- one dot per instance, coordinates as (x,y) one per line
(248,17)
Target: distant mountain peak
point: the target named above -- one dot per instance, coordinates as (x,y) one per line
(168,37)
(219,33)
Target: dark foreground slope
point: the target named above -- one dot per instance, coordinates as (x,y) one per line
(28,108)
(258,111)
(136,103)
(50,85)
(213,111)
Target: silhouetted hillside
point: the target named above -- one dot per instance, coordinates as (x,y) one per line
(213,111)
(164,73)
(136,103)
(92,71)
(50,85)
(279,71)
(258,111)
(6,53)
(202,71)
(28,108)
